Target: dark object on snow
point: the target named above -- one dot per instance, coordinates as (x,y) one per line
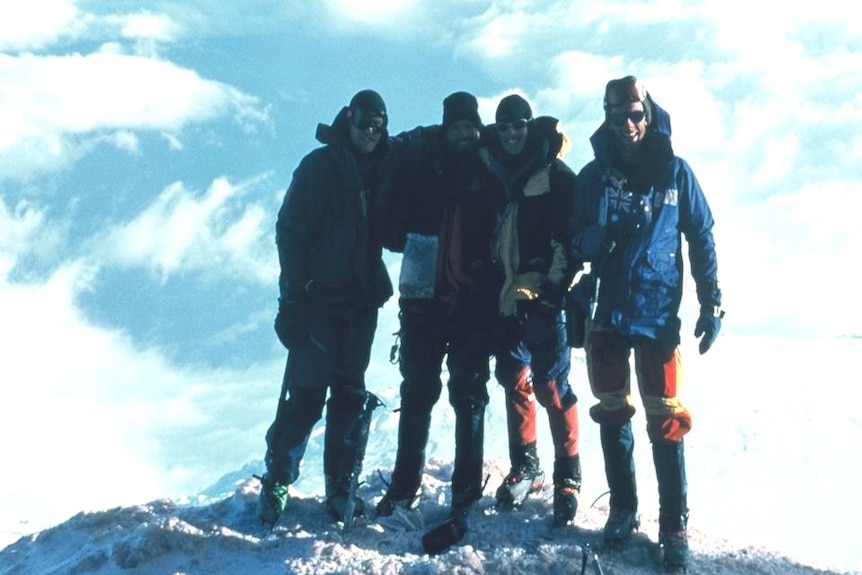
(444,535)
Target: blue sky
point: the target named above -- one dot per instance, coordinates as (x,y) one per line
(146,146)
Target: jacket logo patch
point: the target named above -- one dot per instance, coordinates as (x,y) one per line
(671,197)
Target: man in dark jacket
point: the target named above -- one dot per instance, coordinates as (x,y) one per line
(443,210)
(636,201)
(533,360)
(332,283)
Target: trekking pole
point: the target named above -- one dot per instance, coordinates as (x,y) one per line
(591,558)
(356,436)
(607,248)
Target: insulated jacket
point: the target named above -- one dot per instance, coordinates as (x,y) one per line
(438,194)
(644,214)
(530,242)
(328,227)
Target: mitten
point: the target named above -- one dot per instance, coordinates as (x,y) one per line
(550,298)
(291,323)
(708,325)
(591,243)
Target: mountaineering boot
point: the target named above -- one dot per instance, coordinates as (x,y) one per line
(469,456)
(389,503)
(524,478)
(348,422)
(565,502)
(337,498)
(675,545)
(567,487)
(618,449)
(620,525)
(669,459)
(567,463)
(406,478)
(271,501)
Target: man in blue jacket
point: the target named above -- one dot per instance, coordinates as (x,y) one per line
(637,200)
(332,284)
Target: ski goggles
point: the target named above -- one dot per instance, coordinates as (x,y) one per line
(373,121)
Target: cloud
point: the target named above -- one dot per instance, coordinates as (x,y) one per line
(83,396)
(388,13)
(183,231)
(37,23)
(19,226)
(44,24)
(787,262)
(52,106)
(147,26)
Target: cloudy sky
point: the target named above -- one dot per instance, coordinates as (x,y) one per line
(145,148)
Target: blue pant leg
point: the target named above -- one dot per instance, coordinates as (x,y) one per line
(545,337)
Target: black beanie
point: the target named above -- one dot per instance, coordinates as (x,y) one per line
(513,107)
(369,102)
(461,106)
(625,90)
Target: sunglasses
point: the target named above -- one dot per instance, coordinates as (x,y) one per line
(517,125)
(620,118)
(363,121)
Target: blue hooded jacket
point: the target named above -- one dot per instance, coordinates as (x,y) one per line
(640,270)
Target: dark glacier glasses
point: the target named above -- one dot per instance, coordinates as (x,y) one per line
(620,118)
(517,125)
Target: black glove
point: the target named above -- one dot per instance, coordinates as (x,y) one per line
(708,326)
(550,300)
(291,323)
(591,243)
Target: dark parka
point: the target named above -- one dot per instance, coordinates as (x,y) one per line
(530,243)
(641,279)
(330,256)
(424,197)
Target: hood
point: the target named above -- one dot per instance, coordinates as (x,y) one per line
(601,140)
(338,133)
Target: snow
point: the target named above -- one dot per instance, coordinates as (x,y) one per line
(771,467)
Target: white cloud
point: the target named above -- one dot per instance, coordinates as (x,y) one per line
(96,411)
(42,24)
(788,260)
(372,12)
(19,226)
(78,93)
(182,231)
(174,143)
(149,26)
(499,34)
(125,140)
(36,23)
(47,100)
(52,402)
